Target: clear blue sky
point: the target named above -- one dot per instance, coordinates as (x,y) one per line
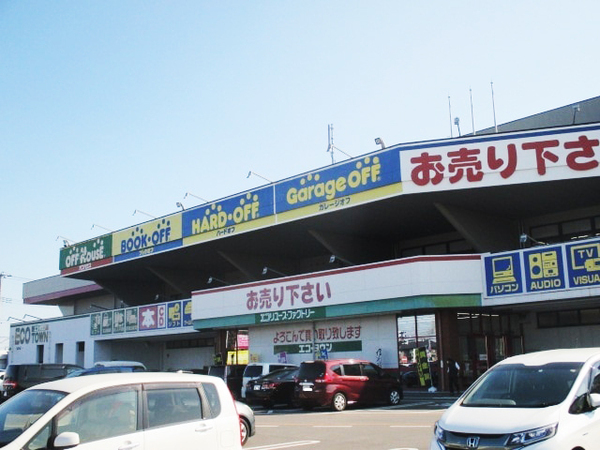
(111,106)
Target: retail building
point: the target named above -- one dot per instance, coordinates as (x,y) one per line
(475,248)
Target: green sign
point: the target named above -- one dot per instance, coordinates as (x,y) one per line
(346,346)
(86,253)
(292,315)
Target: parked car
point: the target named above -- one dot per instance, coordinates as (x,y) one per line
(247,421)
(274,388)
(19,377)
(115,363)
(142,410)
(232,375)
(105,369)
(341,382)
(255,370)
(544,401)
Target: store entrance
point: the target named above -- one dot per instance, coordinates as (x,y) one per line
(475,340)
(485,339)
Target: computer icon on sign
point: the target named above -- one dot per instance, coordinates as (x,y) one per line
(503,270)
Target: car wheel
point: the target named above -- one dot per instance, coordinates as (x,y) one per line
(244,430)
(394,397)
(339,402)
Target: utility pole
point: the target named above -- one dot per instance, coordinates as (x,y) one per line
(3,275)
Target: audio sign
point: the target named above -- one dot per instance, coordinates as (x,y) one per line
(544,269)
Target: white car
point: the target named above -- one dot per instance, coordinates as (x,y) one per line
(538,401)
(141,411)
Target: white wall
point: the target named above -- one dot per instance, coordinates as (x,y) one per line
(188,358)
(24,339)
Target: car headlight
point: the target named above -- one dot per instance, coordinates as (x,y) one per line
(439,432)
(532,436)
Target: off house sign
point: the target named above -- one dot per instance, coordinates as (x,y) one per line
(32,334)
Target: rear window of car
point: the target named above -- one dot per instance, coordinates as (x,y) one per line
(253,371)
(11,372)
(217,371)
(311,370)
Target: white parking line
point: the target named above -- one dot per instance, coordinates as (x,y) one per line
(283,445)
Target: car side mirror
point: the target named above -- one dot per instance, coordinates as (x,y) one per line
(65,440)
(594,400)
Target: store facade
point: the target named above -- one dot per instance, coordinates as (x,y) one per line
(474,248)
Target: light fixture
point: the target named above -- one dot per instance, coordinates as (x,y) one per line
(212,279)
(250,173)
(268,269)
(14,318)
(180,205)
(379,141)
(95,225)
(334,258)
(525,237)
(66,242)
(142,212)
(576,109)
(457,123)
(33,317)
(195,196)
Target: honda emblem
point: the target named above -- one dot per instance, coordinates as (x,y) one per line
(473,442)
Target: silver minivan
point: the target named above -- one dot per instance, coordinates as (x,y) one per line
(545,400)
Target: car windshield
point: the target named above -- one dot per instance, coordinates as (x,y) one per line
(520,386)
(18,413)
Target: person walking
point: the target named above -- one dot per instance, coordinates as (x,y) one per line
(453,368)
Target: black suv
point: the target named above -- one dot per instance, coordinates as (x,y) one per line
(19,377)
(232,374)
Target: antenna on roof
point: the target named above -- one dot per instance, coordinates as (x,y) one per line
(472,115)
(493,106)
(450,115)
(331,147)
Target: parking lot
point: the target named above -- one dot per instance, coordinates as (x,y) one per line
(407,426)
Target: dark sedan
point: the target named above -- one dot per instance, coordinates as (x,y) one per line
(274,388)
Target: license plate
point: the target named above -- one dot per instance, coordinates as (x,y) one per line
(307,388)
(257,387)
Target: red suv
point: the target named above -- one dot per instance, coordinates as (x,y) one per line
(340,382)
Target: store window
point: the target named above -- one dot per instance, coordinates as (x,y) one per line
(417,336)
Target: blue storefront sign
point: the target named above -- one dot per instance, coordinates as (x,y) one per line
(543,269)
(503,274)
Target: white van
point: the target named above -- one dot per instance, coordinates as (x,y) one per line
(255,370)
(140,410)
(539,401)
